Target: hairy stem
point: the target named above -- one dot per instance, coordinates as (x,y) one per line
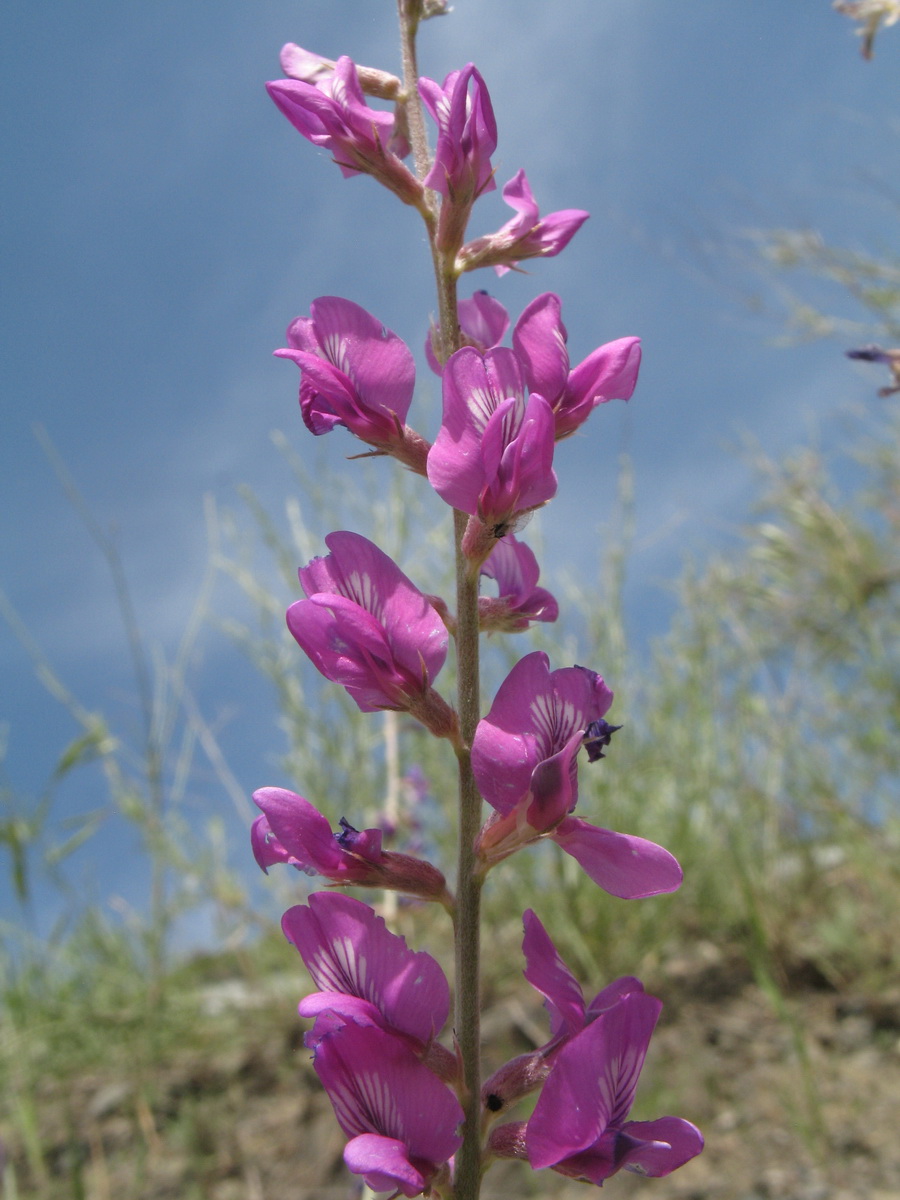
(467,917)
(468,884)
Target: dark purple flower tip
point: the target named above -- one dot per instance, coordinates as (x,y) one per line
(871,353)
(597,737)
(364,844)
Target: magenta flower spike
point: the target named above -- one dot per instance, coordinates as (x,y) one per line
(579,1125)
(493,456)
(514,568)
(363,971)
(332,113)
(482,323)
(466,139)
(293,831)
(523,757)
(366,626)
(402,1120)
(609,373)
(357,373)
(527,235)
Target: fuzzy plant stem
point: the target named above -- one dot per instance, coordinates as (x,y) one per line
(467,919)
(468,883)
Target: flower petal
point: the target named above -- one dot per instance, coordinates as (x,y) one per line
(549,975)
(623,865)
(348,948)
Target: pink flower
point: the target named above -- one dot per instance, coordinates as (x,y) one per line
(400,1117)
(482,323)
(493,456)
(357,373)
(366,626)
(579,1125)
(364,972)
(309,67)
(519,601)
(467,137)
(523,757)
(608,373)
(564,1000)
(332,113)
(293,831)
(527,235)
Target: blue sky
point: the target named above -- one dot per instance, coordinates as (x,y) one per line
(162,223)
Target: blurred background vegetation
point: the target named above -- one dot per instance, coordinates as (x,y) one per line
(761,745)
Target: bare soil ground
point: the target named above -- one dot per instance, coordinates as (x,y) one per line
(796,1105)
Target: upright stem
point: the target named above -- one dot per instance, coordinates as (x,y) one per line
(468,885)
(467,920)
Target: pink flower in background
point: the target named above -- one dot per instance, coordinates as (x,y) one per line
(523,757)
(609,373)
(293,831)
(331,112)
(482,323)
(366,626)
(579,1125)
(401,1118)
(354,371)
(493,456)
(514,568)
(364,972)
(527,235)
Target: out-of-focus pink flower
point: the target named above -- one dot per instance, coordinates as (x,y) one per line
(527,235)
(609,373)
(523,757)
(401,1118)
(579,1125)
(293,831)
(519,601)
(366,626)
(482,323)
(357,373)
(466,139)
(331,112)
(493,456)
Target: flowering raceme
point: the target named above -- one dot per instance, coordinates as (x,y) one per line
(417,1118)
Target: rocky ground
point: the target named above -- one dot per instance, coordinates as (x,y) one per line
(797,1093)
